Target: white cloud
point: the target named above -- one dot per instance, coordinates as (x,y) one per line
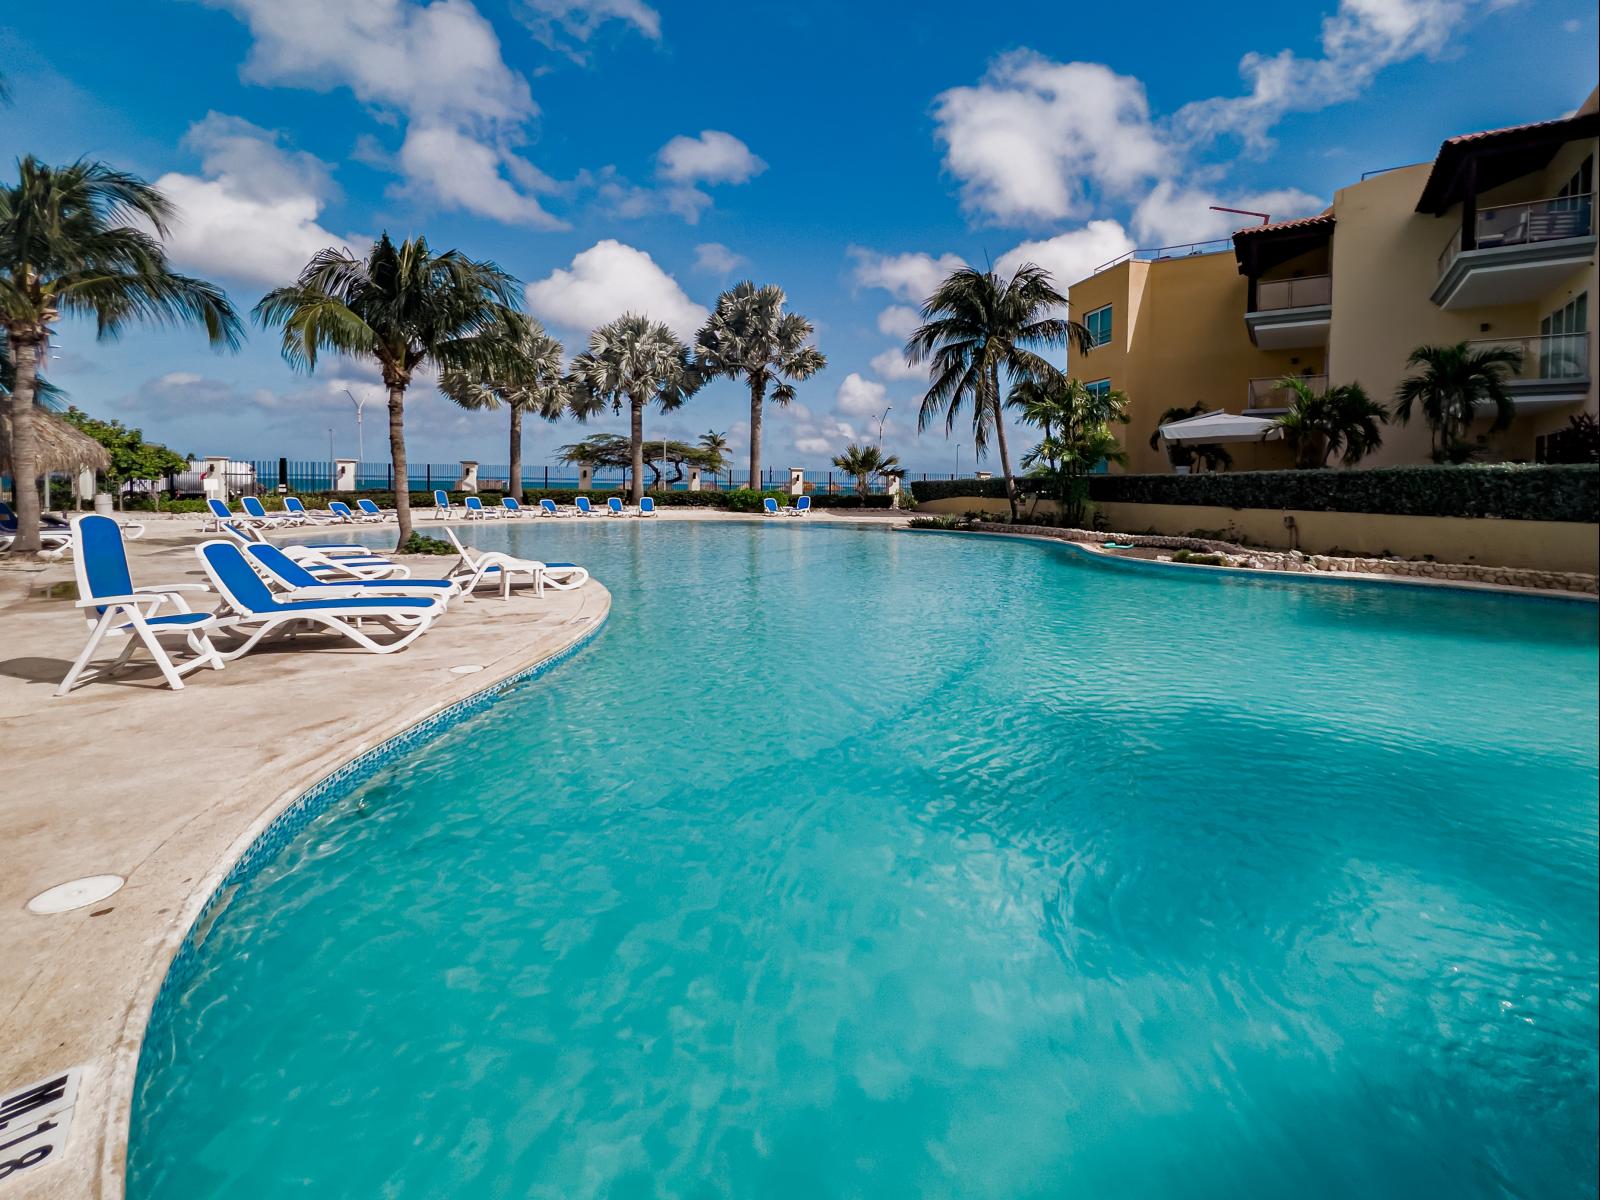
(607,280)
(912,277)
(436,64)
(252,215)
(891,364)
(1171,214)
(713,157)
(716,259)
(860,397)
(1027,140)
(898,321)
(1070,256)
(578,20)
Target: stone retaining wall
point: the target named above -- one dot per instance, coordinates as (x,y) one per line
(1292,560)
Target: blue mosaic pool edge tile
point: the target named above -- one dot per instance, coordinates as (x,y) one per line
(318,798)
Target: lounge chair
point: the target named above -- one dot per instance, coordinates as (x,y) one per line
(332,561)
(371,512)
(769,507)
(615,506)
(647,506)
(802,506)
(295,507)
(475,509)
(255,610)
(441,504)
(581,503)
(115,608)
(277,568)
(476,566)
(549,508)
(511,508)
(221,514)
(257,512)
(55,536)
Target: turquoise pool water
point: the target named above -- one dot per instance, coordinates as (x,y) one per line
(856,864)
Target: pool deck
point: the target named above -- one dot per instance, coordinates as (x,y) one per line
(167,789)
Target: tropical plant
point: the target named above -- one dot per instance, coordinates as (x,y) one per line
(133,460)
(715,446)
(1076,421)
(406,308)
(749,336)
(77,241)
(1341,420)
(866,463)
(976,325)
(638,361)
(1449,389)
(530,379)
(1579,442)
(612,451)
(1211,455)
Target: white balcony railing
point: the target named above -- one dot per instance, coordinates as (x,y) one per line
(1269,394)
(1526,224)
(1307,291)
(1560,356)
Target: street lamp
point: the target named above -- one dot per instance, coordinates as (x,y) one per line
(881,420)
(958,461)
(360,404)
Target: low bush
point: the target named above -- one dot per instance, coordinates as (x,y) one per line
(940,522)
(421,543)
(1527,493)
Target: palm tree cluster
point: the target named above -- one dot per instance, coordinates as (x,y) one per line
(866,463)
(1340,420)
(1076,421)
(1453,384)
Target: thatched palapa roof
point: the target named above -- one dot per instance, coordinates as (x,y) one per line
(61,447)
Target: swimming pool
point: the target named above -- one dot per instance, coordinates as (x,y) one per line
(849,863)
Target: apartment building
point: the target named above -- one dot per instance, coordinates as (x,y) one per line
(1493,242)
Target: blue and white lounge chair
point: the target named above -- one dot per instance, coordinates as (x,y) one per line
(802,506)
(647,506)
(549,508)
(257,512)
(371,512)
(115,608)
(297,581)
(256,611)
(475,566)
(55,536)
(295,507)
(769,507)
(330,561)
(441,504)
(510,507)
(615,506)
(581,503)
(475,509)
(221,514)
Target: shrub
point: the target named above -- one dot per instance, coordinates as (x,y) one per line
(421,543)
(1190,556)
(940,522)
(1528,493)
(986,489)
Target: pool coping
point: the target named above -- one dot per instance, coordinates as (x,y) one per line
(172,958)
(1269,574)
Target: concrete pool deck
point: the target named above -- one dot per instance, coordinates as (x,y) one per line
(167,789)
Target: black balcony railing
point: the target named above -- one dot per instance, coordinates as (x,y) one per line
(1526,224)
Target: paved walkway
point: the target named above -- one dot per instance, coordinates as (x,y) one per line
(166,789)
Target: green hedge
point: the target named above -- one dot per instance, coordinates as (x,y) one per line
(1528,493)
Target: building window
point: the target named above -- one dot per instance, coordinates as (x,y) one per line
(1099,389)
(1563,348)
(1099,325)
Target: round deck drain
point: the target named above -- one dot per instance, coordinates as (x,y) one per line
(75,893)
(465,670)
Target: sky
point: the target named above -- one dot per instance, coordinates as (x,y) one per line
(620,155)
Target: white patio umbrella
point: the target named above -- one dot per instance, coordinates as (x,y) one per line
(1213,427)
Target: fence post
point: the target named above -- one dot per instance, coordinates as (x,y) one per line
(429,470)
(547,477)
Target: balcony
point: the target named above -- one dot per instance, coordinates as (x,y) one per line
(1517,253)
(1286,314)
(1554,370)
(1268,397)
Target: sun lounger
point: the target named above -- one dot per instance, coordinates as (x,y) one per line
(615,506)
(475,566)
(549,508)
(371,512)
(475,509)
(293,576)
(257,512)
(115,608)
(441,504)
(295,507)
(511,508)
(769,507)
(647,506)
(581,503)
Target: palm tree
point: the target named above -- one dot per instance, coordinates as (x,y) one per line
(1212,455)
(1319,424)
(405,307)
(974,326)
(1076,421)
(530,380)
(867,463)
(749,336)
(1453,382)
(715,446)
(70,243)
(637,360)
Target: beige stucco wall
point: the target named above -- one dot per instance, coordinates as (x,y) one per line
(1539,545)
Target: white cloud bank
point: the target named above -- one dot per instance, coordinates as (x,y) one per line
(911,277)
(607,280)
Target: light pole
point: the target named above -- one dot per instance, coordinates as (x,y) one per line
(957,475)
(360,404)
(881,420)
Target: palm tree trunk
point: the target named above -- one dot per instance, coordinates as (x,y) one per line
(24,445)
(636,445)
(397,455)
(758,390)
(1000,437)
(514,484)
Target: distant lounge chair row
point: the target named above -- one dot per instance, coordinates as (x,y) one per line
(294,514)
(801,506)
(474,509)
(55,534)
(266,591)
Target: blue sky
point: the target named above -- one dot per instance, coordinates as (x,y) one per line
(617,154)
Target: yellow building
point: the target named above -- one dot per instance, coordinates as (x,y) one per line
(1493,242)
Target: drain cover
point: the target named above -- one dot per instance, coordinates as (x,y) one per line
(75,893)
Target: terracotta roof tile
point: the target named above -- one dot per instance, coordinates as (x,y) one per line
(1322,218)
